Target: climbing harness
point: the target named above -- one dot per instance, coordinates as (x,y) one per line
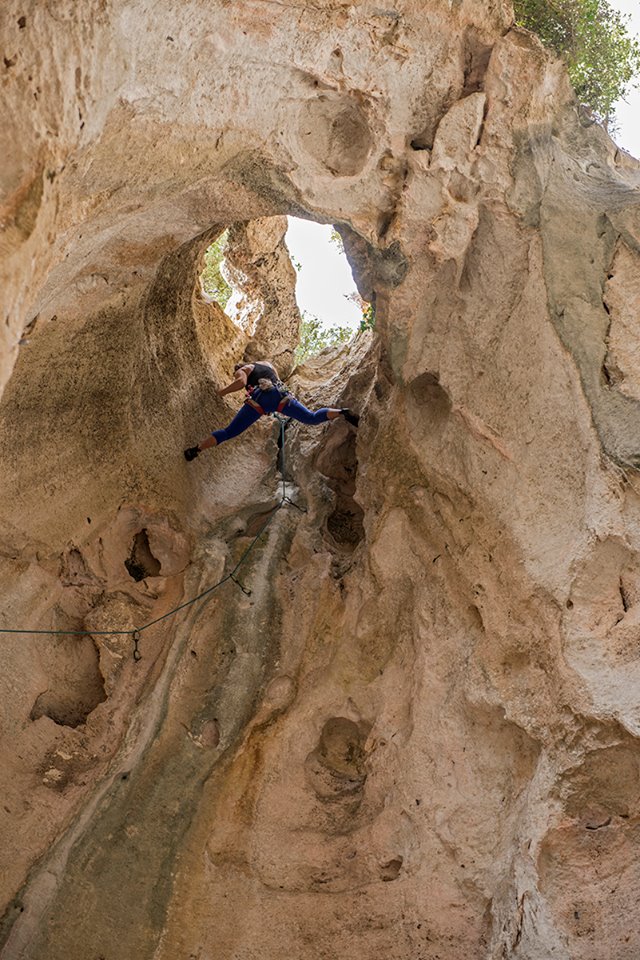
(136,634)
(276,386)
(256,406)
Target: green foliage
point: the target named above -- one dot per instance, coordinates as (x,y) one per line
(602,57)
(336,240)
(314,337)
(368,321)
(213,283)
(367,309)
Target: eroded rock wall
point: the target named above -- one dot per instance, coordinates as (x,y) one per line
(417,735)
(262,276)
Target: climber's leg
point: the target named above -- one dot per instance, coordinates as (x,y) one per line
(241,422)
(298,411)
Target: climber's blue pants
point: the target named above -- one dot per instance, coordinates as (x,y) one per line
(268,400)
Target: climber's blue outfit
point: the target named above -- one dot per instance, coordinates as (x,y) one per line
(265,394)
(269,400)
(260,402)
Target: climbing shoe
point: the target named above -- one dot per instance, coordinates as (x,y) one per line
(350,417)
(191,453)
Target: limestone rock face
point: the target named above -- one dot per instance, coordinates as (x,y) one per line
(406,725)
(259,268)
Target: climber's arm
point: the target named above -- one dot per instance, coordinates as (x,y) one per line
(239,383)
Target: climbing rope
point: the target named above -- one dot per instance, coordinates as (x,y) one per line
(136,634)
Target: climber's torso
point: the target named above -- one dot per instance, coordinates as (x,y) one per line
(262,371)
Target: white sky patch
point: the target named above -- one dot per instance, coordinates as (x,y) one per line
(628,112)
(325,279)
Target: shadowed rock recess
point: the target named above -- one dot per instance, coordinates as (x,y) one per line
(417,736)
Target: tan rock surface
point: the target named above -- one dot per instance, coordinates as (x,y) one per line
(260,271)
(417,737)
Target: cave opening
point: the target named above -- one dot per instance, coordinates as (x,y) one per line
(287,273)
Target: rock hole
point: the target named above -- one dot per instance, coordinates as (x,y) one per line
(427,391)
(477,56)
(391,870)
(141,562)
(429,406)
(335,769)
(624,597)
(22,22)
(338,462)
(345,525)
(76,686)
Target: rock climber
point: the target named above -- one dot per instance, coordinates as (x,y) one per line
(265,394)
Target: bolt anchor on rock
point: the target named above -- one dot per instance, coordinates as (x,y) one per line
(137,656)
(244,589)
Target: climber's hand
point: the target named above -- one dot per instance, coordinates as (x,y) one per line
(191,453)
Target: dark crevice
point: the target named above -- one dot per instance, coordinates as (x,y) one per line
(141,562)
(477,56)
(624,597)
(481,130)
(337,461)
(598,826)
(345,524)
(384,223)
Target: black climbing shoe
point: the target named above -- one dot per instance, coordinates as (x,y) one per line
(191,453)
(350,417)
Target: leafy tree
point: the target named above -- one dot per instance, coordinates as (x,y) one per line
(213,283)
(602,57)
(314,337)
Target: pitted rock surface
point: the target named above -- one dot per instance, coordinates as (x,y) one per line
(417,735)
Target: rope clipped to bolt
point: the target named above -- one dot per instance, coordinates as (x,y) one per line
(136,633)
